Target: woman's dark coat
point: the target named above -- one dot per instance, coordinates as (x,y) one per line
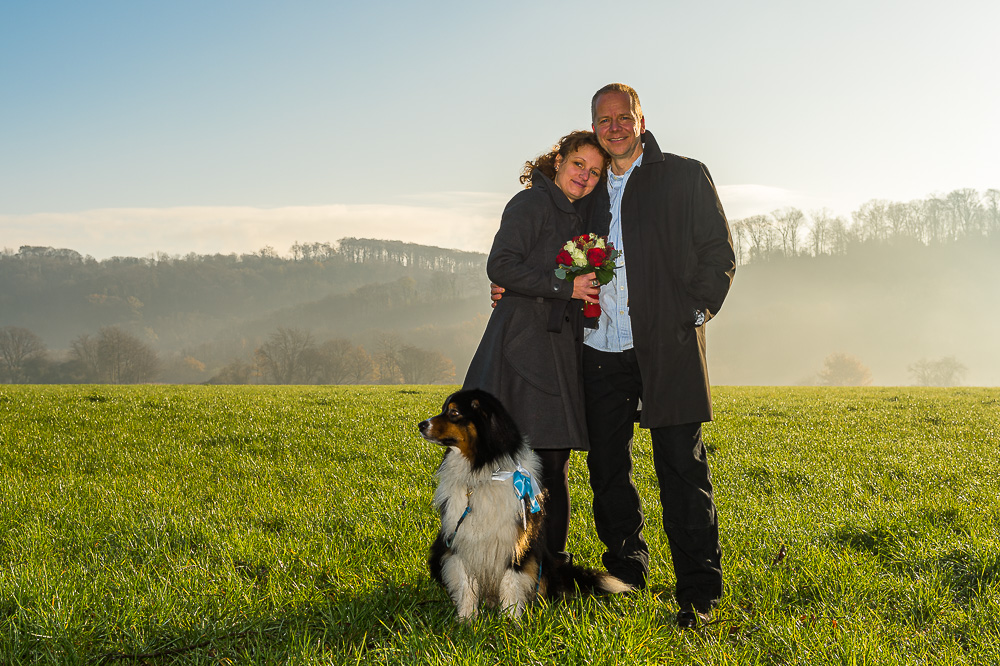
(529,356)
(680,258)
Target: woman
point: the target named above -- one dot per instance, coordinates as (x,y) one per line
(529,356)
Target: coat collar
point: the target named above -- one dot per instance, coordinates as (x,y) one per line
(539,181)
(650,150)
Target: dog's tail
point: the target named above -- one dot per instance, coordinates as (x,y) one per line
(569,578)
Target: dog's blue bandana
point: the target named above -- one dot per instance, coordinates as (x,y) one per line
(525,486)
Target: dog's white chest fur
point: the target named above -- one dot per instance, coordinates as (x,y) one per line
(485,543)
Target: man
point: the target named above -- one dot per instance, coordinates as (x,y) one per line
(676,269)
(677,264)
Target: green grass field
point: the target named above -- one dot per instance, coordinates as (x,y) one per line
(229,525)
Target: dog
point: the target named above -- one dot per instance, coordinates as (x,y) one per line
(491,545)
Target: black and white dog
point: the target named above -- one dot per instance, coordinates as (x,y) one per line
(491,546)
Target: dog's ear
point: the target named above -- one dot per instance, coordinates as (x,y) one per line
(502,426)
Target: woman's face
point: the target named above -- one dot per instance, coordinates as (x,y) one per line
(577,175)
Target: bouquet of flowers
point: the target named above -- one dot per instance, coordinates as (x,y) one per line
(584,254)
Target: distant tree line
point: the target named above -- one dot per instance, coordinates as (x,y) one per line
(288,356)
(292,356)
(265,319)
(364,250)
(113,356)
(178,303)
(35,277)
(841,369)
(788,232)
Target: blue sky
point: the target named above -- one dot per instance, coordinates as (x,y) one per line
(128,128)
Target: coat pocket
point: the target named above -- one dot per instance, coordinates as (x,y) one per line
(528,352)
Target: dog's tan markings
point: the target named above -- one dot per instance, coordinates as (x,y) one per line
(461,430)
(532,571)
(452,428)
(521,547)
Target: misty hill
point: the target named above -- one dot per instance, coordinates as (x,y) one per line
(216,308)
(889,303)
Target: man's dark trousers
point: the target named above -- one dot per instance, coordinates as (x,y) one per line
(613,386)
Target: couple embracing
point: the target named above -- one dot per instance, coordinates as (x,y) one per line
(576,384)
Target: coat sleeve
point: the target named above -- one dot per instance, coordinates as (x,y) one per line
(510,262)
(715,263)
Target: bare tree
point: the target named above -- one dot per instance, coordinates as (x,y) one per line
(788,222)
(841,236)
(387,370)
(819,231)
(841,369)
(360,368)
(760,231)
(282,359)
(947,371)
(333,361)
(421,366)
(991,210)
(870,220)
(933,214)
(236,371)
(902,220)
(340,362)
(18,346)
(964,212)
(738,230)
(84,350)
(124,358)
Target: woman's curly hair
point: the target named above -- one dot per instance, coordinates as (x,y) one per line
(565,147)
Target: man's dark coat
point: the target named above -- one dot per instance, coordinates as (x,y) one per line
(680,258)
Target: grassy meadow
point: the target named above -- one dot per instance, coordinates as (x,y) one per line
(231,525)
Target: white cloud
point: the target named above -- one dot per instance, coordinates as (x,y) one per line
(465,222)
(459,220)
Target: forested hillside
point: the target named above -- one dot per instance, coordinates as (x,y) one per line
(201,314)
(901,294)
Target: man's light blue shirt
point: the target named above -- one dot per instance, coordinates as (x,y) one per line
(614,329)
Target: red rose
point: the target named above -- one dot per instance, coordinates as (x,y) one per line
(596,256)
(564,259)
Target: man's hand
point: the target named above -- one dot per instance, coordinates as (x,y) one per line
(496,293)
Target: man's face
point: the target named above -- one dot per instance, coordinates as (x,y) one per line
(617,127)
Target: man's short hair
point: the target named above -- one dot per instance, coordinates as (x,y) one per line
(616,87)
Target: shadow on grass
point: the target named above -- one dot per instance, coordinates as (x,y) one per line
(342,624)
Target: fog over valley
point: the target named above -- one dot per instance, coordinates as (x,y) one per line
(904,294)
